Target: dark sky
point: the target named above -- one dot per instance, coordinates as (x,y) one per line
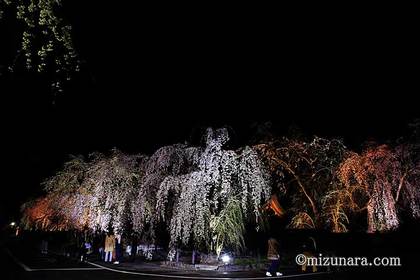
(148,83)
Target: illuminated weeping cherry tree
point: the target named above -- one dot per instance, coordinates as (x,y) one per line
(382,180)
(113,182)
(89,195)
(408,191)
(339,202)
(205,196)
(41,214)
(64,206)
(167,161)
(383,174)
(377,172)
(327,184)
(211,203)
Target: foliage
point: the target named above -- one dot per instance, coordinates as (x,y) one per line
(408,191)
(378,172)
(338,203)
(302,220)
(166,162)
(46,40)
(113,182)
(228,228)
(42,214)
(69,178)
(188,188)
(303,170)
(206,196)
(204,193)
(92,194)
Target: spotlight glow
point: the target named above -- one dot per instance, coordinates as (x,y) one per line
(225,259)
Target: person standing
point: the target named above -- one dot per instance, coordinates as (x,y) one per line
(109,247)
(44,246)
(100,245)
(309,250)
(101,252)
(274,257)
(133,252)
(118,249)
(84,250)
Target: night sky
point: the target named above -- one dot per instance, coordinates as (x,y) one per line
(148,83)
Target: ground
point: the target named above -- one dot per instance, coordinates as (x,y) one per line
(27,263)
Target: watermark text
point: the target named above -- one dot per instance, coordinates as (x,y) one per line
(320,260)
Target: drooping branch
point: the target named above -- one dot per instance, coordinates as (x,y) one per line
(302,187)
(400,185)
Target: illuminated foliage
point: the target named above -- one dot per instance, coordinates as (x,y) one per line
(339,202)
(274,205)
(200,196)
(303,170)
(70,178)
(94,194)
(42,214)
(408,153)
(64,206)
(205,196)
(408,191)
(46,41)
(302,220)
(165,162)
(378,172)
(201,193)
(113,181)
(227,228)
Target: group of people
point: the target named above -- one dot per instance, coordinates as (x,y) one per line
(273,254)
(112,249)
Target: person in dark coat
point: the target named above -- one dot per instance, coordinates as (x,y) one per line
(133,248)
(82,252)
(118,249)
(274,256)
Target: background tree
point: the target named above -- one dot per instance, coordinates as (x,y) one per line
(408,190)
(42,214)
(377,171)
(304,171)
(94,194)
(66,201)
(340,203)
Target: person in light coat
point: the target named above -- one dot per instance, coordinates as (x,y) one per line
(109,247)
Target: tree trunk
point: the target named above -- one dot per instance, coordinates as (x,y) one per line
(302,187)
(400,186)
